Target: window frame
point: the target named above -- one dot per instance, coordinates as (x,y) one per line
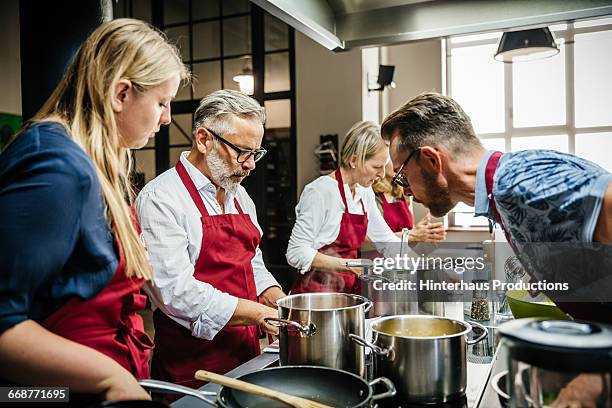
(568,36)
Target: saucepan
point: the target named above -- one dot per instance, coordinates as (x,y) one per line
(435,345)
(329,386)
(314,330)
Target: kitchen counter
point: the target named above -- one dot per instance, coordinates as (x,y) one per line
(477,380)
(489,398)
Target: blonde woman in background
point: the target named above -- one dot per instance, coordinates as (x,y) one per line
(337,212)
(72,260)
(394,207)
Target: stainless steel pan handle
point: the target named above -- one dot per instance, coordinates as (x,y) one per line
(391,391)
(364,343)
(484,334)
(368,306)
(307,330)
(157,385)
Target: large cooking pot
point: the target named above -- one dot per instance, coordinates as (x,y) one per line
(325,385)
(424,356)
(315,328)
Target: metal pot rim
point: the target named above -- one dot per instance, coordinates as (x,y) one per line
(466,325)
(364,301)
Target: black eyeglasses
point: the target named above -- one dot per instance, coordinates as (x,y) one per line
(399,177)
(243,154)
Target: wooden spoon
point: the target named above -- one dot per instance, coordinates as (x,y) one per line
(244,386)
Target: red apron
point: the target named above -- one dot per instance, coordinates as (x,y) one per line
(396,214)
(489,174)
(108,322)
(578,310)
(353,229)
(229,242)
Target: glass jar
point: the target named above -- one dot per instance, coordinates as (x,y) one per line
(480,309)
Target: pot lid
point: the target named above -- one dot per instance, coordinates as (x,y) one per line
(563,345)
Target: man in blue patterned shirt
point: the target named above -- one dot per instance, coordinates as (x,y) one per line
(555,208)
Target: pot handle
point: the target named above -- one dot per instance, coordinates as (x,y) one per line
(484,334)
(364,343)
(307,330)
(368,306)
(391,391)
(157,385)
(497,388)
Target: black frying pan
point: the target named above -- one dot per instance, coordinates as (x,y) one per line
(329,386)
(325,385)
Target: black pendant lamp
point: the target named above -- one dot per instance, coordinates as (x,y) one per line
(526,45)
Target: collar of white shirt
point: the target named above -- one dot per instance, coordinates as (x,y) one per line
(360,191)
(203,183)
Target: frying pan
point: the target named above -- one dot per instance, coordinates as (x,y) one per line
(326,385)
(322,384)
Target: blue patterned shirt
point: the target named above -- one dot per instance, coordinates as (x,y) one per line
(544,195)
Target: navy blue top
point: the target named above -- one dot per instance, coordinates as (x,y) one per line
(55,242)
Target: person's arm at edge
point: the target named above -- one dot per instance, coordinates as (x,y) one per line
(34,356)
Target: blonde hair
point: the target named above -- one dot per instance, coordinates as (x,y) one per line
(118,49)
(385,186)
(362,141)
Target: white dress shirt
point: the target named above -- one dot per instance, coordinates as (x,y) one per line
(318,217)
(172,231)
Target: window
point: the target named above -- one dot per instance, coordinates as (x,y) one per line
(562,103)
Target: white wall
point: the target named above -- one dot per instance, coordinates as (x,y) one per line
(328,99)
(418,68)
(369,75)
(10,67)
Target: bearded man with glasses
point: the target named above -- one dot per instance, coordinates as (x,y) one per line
(212,290)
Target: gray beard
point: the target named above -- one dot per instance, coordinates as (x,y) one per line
(221,172)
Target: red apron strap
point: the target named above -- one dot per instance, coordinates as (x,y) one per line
(238,207)
(489,174)
(383,198)
(341,188)
(343,194)
(191,188)
(362,206)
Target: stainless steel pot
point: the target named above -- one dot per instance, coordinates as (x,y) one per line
(558,363)
(424,356)
(315,328)
(389,302)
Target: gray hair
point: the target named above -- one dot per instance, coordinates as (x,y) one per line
(429,119)
(217,110)
(362,141)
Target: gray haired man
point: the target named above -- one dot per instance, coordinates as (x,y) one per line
(212,290)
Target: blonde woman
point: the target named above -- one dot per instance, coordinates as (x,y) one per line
(337,212)
(72,260)
(395,209)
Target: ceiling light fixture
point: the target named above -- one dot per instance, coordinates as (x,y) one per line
(245,80)
(526,45)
